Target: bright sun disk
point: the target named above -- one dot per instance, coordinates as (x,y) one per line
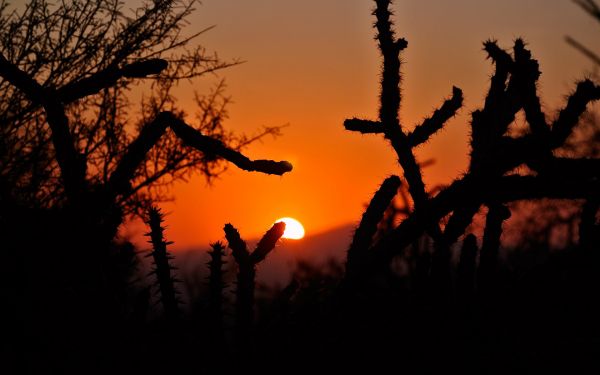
(293,229)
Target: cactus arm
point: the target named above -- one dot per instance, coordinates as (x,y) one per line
(440,116)
(361,241)
(267,242)
(236,244)
(585,92)
(488,261)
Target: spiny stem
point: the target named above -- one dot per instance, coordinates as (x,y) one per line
(244,305)
(162,268)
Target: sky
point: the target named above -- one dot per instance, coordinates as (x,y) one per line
(311,64)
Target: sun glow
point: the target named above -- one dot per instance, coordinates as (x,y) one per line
(293,229)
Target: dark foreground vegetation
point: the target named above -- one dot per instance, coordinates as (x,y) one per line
(419,292)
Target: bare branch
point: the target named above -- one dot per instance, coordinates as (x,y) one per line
(72,168)
(584,50)
(136,154)
(363,126)
(195,139)
(589,6)
(108,78)
(150,134)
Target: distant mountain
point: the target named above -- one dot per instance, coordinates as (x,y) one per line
(316,249)
(278,267)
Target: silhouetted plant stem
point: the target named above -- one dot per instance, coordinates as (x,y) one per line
(72,167)
(363,236)
(216,285)
(246,262)
(390,99)
(153,131)
(468,191)
(590,6)
(488,261)
(244,302)
(162,268)
(438,119)
(390,126)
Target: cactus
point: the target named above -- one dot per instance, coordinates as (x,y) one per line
(367,228)
(246,262)
(162,267)
(488,261)
(216,285)
(389,123)
(494,153)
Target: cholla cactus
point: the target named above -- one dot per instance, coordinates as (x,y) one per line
(363,236)
(390,126)
(488,260)
(162,268)
(216,285)
(494,154)
(246,261)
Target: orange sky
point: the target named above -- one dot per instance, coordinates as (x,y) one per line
(313,63)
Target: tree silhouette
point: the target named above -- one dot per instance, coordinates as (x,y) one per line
(70,134)
(76,156)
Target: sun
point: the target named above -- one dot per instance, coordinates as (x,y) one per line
(293,229)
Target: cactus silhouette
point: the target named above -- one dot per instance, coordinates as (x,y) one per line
(488,260)
(367,228)
(389,124)
(216,286)
(162,267)
(494,153)
(246,262)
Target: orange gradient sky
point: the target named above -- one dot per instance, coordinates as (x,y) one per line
(313,63)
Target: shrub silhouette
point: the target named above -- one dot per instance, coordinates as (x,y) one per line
(87,173)
(75,159)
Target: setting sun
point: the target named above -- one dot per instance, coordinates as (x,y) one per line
(293,229)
